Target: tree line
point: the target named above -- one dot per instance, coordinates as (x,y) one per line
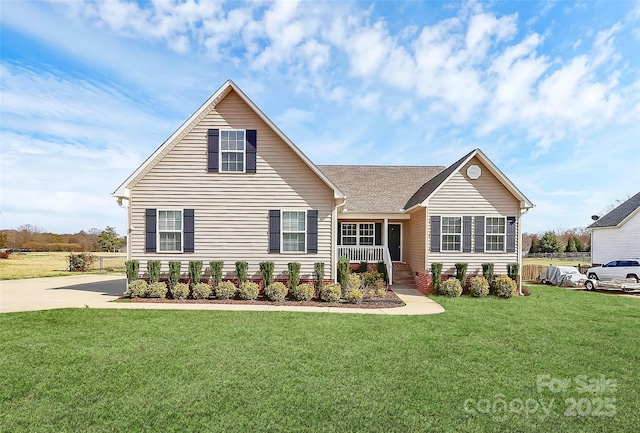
(33,238)
(577,239)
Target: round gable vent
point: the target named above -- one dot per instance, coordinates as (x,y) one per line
(474,171)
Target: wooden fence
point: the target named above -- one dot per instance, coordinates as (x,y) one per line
(532,272)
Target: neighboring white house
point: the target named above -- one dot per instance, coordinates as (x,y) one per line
(617,234)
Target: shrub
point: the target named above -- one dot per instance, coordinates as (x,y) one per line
(294,274)
(180,291)
(153,268)
(318,275)
(436,276)
(201,291)
(276,291)
(451,287)
(174,273)
(133,269)
(330,292)
(461,273)
(487,272)
(242,272)
(136,289)
(369,278)
(249,290)
(343,269)
(504,287)
(266,271)
(354,296)
(513,270)
(215,269)
(382,270)
(226,290)
(81,262)
(479,287)
(352,282)
(363,267)
(379,288)
(195,270)
(157,290)
(303,292)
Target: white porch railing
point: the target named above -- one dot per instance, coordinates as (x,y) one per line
(368,254)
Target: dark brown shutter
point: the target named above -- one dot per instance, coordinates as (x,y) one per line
(252,146)
(274,231)
(378,234)
(213,140)
(312,231)
(188,231)
(150,230)
(511,234)
(466,234)
(435,234)
(479,234)
(339,233)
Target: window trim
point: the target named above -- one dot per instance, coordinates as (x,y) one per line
(158,231)
(357,235)
(487,234)
(221,152)
(282,231)
(443,234)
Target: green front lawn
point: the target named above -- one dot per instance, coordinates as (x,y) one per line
(137,370)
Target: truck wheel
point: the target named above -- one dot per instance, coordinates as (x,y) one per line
(634,276)
(592,276)
(589,285)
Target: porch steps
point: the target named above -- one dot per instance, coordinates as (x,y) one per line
(403,276)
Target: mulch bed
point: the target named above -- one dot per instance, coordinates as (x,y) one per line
(391,300)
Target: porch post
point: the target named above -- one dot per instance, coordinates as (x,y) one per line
(385,235)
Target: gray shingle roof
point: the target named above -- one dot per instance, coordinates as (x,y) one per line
(378,188)
(616,216)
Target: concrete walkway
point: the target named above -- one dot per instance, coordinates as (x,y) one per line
(96,291)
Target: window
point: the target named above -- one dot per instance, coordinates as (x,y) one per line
(170,230)
(293,231)
(451,233)
(366,233)
(358,234)
(349,234)
(495,234)
(232,150)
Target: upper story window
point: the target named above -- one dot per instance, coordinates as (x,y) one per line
(451,234)
(495,234)
(170,230)
(232,150)
(293,231)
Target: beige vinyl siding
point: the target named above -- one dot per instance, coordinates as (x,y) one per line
(413,240)
(232,209)
(463,196)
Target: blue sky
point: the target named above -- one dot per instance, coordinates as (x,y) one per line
(550,91)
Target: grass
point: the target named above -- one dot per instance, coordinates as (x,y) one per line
(152,370)
(54,264)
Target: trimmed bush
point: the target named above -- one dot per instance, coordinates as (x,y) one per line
(369,278)
(352,282)
(382,270)
(318,275)
(343,269)
(137,289)
(81,262)
(180,291)
(461,273)
(157,290)
(354,296)
(276,291)
(242,272)
(133,269)
(487,272)
(266,271)
(513,270)
(294,274)
(451,287)
(379,288)
(249,290)
(195,270)
(363,267)
(479,287)
(153,269)
(215,269)
(303,292)
(504,287)
(330,292)
(436,276)
(174,273)
(226,290)
(201,291)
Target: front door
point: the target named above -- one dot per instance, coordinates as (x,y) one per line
(394,236)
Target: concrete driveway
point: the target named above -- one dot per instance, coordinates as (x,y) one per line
(95,291)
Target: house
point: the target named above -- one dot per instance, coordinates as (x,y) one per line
(229,185)
(616,235)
